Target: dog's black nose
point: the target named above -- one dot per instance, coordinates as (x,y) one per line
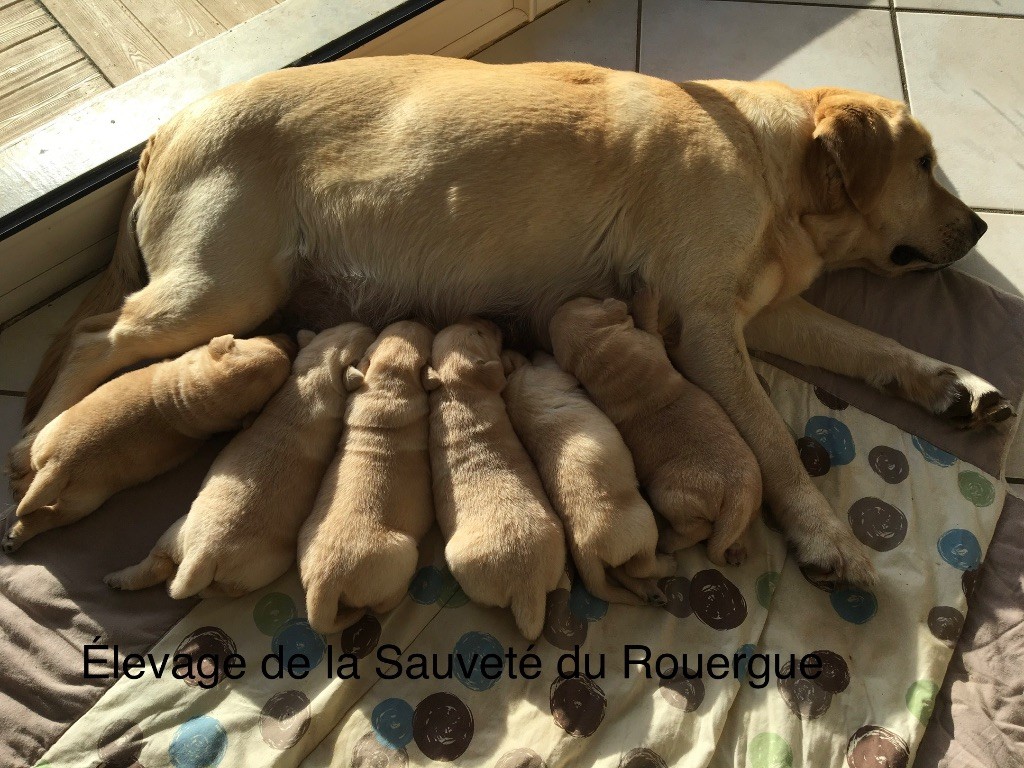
(980,227)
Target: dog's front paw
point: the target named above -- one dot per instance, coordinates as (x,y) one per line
(15,534)
(958,395)
(824,544)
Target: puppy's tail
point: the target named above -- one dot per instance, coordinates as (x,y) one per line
(528,608)
(326,614)
(194,574)
(125,274)
(45,490)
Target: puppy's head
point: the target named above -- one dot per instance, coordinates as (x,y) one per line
(400,353)
(468,352)
(873,165)
(243,373)
(335,348)
(578,323)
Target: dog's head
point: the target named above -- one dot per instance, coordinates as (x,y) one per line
(399,355)
(335,349)
(871,167)
(468,352)
(576,324)
(241,374)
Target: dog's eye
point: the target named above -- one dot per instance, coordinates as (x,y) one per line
(925,163)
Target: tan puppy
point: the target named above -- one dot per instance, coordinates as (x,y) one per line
(589,476)
(359,547)
(505,546)
(241,531)
(142,424)
(696,468)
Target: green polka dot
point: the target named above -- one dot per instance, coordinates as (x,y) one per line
(457,600)
(921,699)
(272,611)
(976,489)
(769,750)
(42,764)
(765,587)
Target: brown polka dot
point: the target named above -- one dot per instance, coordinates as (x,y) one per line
(878,524)
(577,705)
(207,641)
(835,673)
(716,601)
(815,458)
(805,698)
(873,746)
(677,595)
(362,637)
(889,464)
(682,692)
(824,580)
(946,623)
(764,384)
(829,400)
(968,582)
(370,753)
(284,719)
(769,519)
(642,757)
(120,744)
(561,628)
(442,726)
(521,758)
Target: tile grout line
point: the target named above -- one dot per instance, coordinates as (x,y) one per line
(11,393)
(1008,211)
(899,53)
(862,7)
(639,26)
(4,325)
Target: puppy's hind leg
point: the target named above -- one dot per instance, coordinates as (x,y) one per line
(595,578)
(160,565)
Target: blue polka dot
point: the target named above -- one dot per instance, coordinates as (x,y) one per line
(478,643)
(743,655)
(834,437)
(856,606)
(198,743)
(426,585)
(584,605)
(932,454)
(295,637)
(960,549)
(392,722)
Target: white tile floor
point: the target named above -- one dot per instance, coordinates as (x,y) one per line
(962,62)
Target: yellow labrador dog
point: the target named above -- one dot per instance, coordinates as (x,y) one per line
(389,187)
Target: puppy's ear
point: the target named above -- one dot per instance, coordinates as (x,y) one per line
(304,337)
(512,361)
(353,378)
(492,374)
(221,345)
(430,379)
(859,140)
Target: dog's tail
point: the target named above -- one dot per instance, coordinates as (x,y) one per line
(528,609)
(45,490)
(194,574)
(125,274)
(326,614)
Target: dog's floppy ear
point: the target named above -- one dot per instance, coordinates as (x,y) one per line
(512,361)
(353,378)
(221,345)
(430,379)
(860,141)
(492,373)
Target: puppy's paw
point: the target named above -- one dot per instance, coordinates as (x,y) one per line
(114,580)
(956,394)
(736,554)
(16,535)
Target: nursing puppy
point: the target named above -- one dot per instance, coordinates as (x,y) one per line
(589,476)
(142,424)
(241,531)
(505,546)
(359,548)
(697,470)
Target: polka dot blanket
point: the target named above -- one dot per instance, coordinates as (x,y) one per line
(762,665)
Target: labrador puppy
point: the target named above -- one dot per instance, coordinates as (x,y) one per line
(505,546)
(727,197)
(359,548)
(589,476)
(142,424)
(241,530)
(697,470)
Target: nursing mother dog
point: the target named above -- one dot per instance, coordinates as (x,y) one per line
(381,188)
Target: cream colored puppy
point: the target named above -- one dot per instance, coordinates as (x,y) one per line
(697,470)
(358,549)
(589,476)
(505,546)
(142,424)
(241,531)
